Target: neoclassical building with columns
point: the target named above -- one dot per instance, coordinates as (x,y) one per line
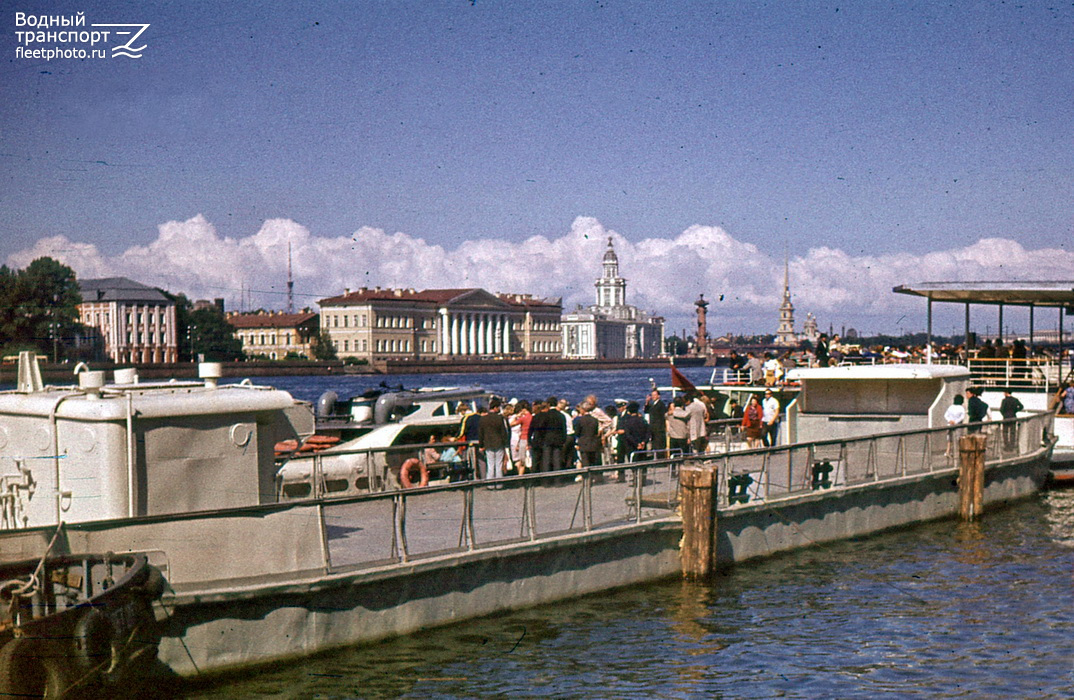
(441,324)
(129,322)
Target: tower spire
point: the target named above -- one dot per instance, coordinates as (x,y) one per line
(785,334)
(290,283)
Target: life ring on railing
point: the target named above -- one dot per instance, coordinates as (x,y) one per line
(30,668)
(405,473)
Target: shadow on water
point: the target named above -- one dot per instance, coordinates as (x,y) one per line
(942,610)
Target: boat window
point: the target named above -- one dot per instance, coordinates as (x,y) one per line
(336,485)
(297,490)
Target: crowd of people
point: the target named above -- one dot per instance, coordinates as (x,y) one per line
(550,435)
(771,368)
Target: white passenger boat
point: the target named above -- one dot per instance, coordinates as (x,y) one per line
(1035,378)
(357,415)
(400,425)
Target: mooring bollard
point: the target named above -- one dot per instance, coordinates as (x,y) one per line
(971,468)
(698,482)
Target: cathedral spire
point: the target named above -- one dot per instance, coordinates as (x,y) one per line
(785,335)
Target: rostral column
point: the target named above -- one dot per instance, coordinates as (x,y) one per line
(702,344)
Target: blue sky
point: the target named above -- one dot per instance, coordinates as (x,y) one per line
(484,144)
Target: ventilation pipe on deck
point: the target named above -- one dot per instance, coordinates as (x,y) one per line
(211,373)
(91,382)
(126,376)
(29,380)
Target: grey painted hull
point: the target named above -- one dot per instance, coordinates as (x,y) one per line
(228,627)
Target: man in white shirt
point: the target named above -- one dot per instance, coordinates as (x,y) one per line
(696,415)
(773,371)
(770,418)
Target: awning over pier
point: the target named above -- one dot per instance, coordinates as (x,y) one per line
(1009,293)
(1054,294)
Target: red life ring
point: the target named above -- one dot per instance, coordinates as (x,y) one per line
(404,473)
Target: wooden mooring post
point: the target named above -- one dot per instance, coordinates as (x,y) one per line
(971,468)
(698,553)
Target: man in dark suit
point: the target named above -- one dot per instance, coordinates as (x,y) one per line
(657,411)
(976,409)
(587,436)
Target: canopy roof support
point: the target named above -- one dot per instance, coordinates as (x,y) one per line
(1057,294)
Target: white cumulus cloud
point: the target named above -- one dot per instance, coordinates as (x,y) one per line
(742,282)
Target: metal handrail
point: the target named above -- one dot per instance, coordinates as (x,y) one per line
(391,528)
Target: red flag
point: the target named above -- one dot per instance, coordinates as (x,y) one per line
(679,380)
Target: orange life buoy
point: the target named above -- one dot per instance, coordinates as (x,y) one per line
(404,473)
(285,446)
(322,439)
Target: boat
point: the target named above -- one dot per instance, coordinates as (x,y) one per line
(1033,379)
(184,474)
(398,426)
(78,625)
(352,417)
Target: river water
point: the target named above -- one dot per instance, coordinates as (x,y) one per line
(629,384)
(941,610)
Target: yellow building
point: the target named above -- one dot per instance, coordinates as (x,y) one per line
(274,334)
(441,324)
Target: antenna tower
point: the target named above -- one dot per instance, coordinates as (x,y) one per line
(290,283)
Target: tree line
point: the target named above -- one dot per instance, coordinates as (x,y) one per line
(39,312)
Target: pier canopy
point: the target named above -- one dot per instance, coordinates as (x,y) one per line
(1058,294)
(1010,293)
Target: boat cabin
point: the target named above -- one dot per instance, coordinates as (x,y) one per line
(101,451)
(853,401)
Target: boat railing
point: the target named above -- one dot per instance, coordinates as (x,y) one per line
(406,526)
(726,375)
(1033,373)
(769,474)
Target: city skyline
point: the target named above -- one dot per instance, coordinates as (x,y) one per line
(459,144)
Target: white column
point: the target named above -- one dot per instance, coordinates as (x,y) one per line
(444,332)
(506,335)
(480,318)
(472,337)
(497,335)
(454,333)
(490,337)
